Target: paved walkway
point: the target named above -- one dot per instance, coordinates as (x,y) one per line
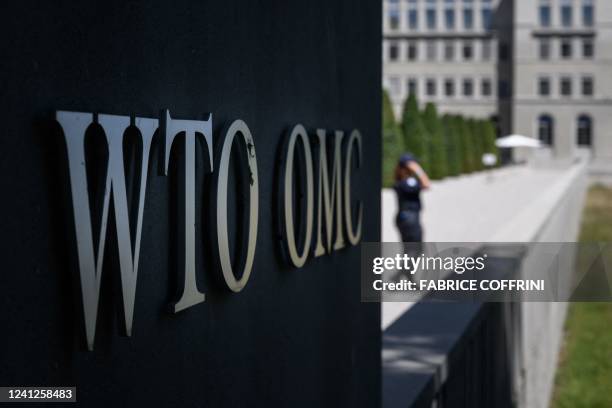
(470,208)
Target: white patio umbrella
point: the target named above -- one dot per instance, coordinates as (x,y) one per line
(518,141)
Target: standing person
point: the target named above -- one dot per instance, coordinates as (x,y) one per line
(410,179)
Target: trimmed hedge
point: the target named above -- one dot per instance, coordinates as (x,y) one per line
(452,140)
(437,147)
(444,146)
(392,141)
(416,139)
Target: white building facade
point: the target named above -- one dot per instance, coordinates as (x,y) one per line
(542,68)
(563,76)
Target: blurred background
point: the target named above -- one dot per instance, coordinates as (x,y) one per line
(506,106)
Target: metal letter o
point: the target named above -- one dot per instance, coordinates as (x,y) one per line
(236,285)
(298,259)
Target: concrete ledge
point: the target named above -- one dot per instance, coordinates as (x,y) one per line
(526,225)
(450,355)
(429,355)
(416,348)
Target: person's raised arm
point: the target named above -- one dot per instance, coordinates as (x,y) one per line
(420,173)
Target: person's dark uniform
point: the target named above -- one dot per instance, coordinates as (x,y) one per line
(408,219)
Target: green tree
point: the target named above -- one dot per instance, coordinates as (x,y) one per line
(476,143)
(453,145)
(415,134)
(437,147)
(392,141)
(467,163)
(488,135)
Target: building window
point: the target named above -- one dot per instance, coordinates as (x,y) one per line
(412,51)
(544,12)
(584,131)
(430,87)
(394,19)
(449,87)
(587,86)
(544,87)
(566,48)
(430,15)
(545,130)
(449,51)
(544,48)
(566,86)
(468,88)
(486,49)
(468,18)
(566,13)
(413,19)
(487,16)
(431,19)
(449,18)
(432,50)
(393,52)
(588,48)
(412,87)
(468,51)
(587,13)
(486,87)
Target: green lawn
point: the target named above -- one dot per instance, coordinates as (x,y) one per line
(584,377)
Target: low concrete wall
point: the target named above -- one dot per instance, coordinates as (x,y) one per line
(554,217)
(427,361)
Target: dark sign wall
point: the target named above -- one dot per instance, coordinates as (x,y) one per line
(292,337)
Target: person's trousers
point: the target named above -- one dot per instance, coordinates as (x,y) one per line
(409,225)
